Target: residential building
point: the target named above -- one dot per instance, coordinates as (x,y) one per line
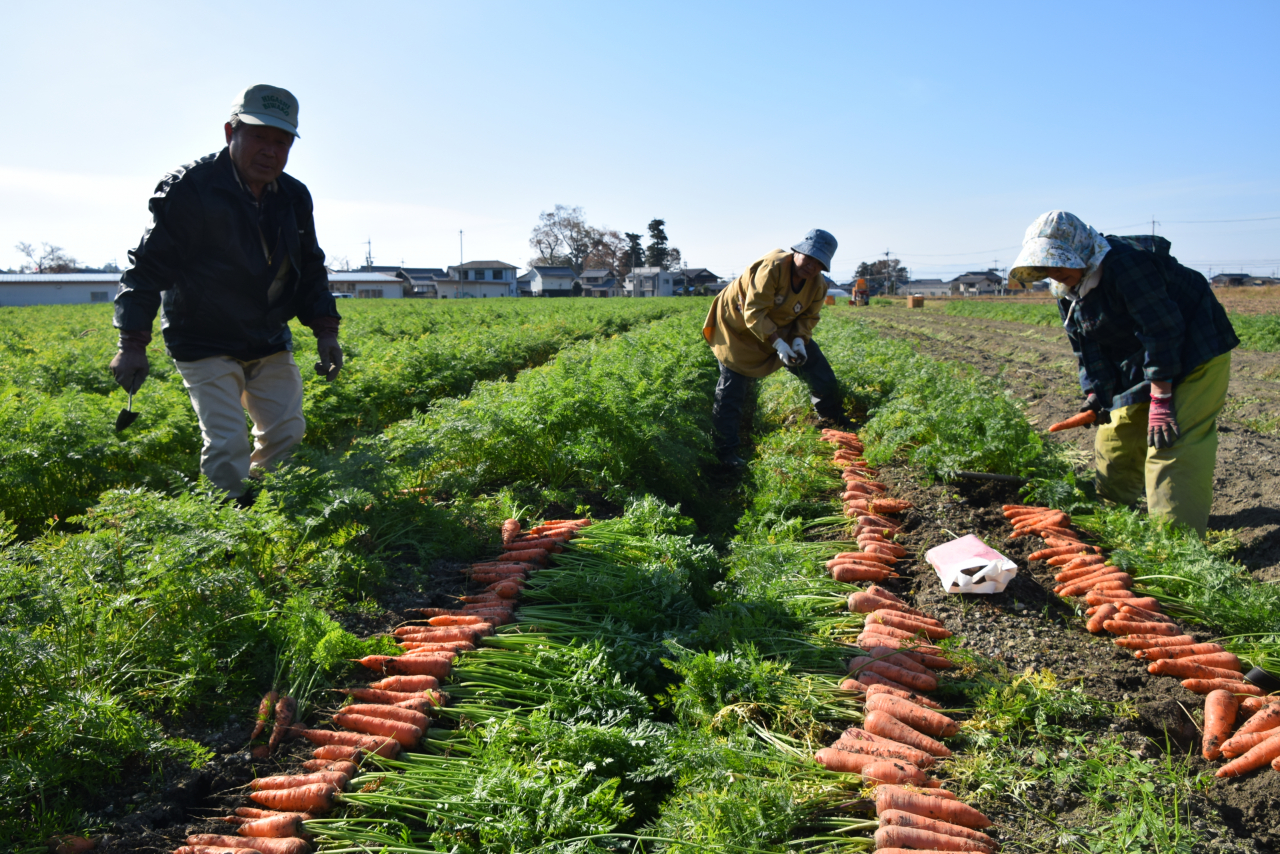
(478,280)
(364,285)
(649,282)
(419,282)
(1236,280)
(600,283)
(552,281)
(524,284)
(692,280)
(978,284)
(926,288)
(18,289)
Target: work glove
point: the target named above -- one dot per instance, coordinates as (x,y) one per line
(797,346)
(1093,404)
(130,366)
(327,347)
(784,350)
(1162,427)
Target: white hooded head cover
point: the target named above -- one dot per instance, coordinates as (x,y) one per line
(1061,239)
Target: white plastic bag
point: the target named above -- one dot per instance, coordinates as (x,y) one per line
(968,565)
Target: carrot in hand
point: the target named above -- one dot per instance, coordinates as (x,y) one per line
(1080,420)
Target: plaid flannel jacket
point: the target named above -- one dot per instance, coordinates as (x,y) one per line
(1149,318)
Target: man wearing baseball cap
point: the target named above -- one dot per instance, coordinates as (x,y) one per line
(231,257)
(764,321)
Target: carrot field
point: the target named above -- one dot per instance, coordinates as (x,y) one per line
(682,670)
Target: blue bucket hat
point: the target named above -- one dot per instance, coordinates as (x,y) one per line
(819,245)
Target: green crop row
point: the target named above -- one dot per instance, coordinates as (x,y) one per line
(59,449)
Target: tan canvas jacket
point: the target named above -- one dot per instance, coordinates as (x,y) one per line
(757,309)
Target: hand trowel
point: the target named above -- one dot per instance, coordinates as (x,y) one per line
(127,416)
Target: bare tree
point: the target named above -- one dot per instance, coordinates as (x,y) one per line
(339,263)
(562,238)
(609,251)
(50,259)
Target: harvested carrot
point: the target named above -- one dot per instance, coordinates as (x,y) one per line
(891,771)
(904,642)
(255,813)
(900,675)
(875,521)
(1221,660)
(1079,420)
(1076,559)
(538,556)
(834,759)
(342,766)
(391,713)
(849,573)
(930,806)
(1219,716)
(1133,612)
(525,550)
(452,620)
(1257,757)
(909,696)
(1153,642)
(870,677)
(266,846)
(286,708)
(911,838)
(1105,612)
(886,725)
(1204,686)
(336,752)
(899,818)
(293,781)
(264,714)
(1126,627)
(406,734)
(878,506)
(918,718)
(883,593)
(907,623)
(377,695)
(1192,650)
(406,683)
(1268,718)
(1185,669)
(281,826)
(1240,744)
(892,656)
(510,529)
(381,746)
(888,549)
(865,557)
(438,666)
(882,749)
(1045,554)
(864,602)
(1083,573)
(1057,542)
(506,589)
(416,647)
(1091,582)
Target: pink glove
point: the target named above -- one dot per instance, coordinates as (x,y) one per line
(1162,427)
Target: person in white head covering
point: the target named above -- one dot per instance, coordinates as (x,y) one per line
(1153,346)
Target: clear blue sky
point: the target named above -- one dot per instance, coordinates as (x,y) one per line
(937,131)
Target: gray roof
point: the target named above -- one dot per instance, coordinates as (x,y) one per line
(596,274)
(484,265)
(558,272)
(58,278)
(525,277)
(347,276)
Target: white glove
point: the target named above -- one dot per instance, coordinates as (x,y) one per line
(788,355)
(801,356)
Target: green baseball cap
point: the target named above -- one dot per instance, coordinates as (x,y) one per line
(268,105)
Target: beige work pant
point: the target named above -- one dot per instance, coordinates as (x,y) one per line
(221,390)
(1177,481)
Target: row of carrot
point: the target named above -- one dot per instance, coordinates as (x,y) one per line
(902,727)
(389,715)
(1204,668)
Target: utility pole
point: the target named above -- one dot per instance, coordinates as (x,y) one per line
(461,259)
(368,254)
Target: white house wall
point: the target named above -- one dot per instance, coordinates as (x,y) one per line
(55,294)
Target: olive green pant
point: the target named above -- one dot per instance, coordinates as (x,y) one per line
(1177,481)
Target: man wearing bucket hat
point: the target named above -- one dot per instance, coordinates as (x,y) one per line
(1154,350)
(231,256)
(764,321)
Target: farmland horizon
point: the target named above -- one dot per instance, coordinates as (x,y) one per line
(934,133)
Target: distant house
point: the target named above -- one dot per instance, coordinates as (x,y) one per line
(690,279)
(649,282)
(600,283)
(364,285)
(418,281)
(977,284)
(552,281)
(524,284)
(927,288)
(478,280)
(1238,280)
(57,288)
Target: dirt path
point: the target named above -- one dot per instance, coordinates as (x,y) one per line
(1037,364)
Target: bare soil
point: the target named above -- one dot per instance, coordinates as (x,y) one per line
(1037,365)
